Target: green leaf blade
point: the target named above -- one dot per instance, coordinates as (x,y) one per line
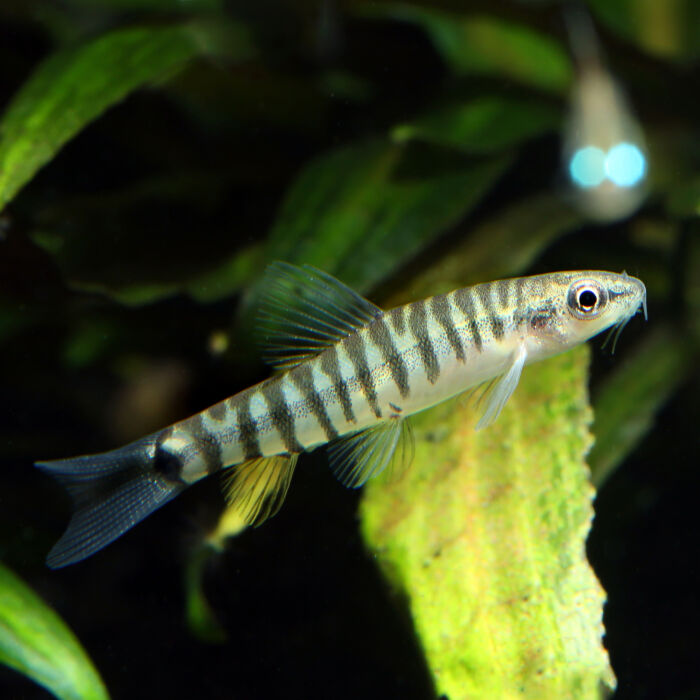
(482,126)
(74,86)
(36,642)
(361,211)
(669,30)
(487,45)
(485,535)
(627,402)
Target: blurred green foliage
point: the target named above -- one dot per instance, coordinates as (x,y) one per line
(73,88)
(486,44)
(628,400)
(668,29)
(155,155)
(361,212)
(482,126)
(35,641)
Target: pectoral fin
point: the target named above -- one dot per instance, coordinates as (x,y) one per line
(497,395)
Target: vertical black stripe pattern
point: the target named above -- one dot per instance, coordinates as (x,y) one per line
(487,300)
(521,310)
(165,463)
(247,427)
(465,303)
(503,292)
(380,335)
(355,347)
(330,366)
(418,324)
(206,443)
(497,327)
(397,319)
(280,415)
(218,411)
(303,379)
(443,315)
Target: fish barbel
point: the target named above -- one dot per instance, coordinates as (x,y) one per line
(351,376)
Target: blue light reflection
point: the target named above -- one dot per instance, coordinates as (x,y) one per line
(587,167)
(625,165)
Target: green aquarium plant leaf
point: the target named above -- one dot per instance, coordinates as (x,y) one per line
(630,397)
(35,641)
(358,213)
(487,45)
(225,279)
(361,211)
(502,246)
(684,199)
(485,538)
(670,30)
(74,86)
(201,619)
(229,277)
(483,125)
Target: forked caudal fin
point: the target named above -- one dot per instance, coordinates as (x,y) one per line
(111,492)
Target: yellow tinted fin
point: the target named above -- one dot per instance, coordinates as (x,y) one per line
(304,310)
(496,395)
(256,489)
(357,457)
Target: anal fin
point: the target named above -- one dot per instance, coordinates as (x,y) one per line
(359,456)
(256,489)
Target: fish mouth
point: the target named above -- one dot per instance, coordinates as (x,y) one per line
(640,305)
(642,295)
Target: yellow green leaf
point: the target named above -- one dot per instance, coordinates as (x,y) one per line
(35,641)
(485,537)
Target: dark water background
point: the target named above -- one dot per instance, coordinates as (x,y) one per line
(179,178)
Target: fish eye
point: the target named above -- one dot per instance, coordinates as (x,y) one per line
(586,299)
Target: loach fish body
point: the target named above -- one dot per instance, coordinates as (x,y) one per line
(352,374)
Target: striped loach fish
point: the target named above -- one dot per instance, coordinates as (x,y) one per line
(351,374)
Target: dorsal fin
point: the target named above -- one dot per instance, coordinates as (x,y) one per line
(304,310)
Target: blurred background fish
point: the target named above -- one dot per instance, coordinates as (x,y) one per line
(604,151)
